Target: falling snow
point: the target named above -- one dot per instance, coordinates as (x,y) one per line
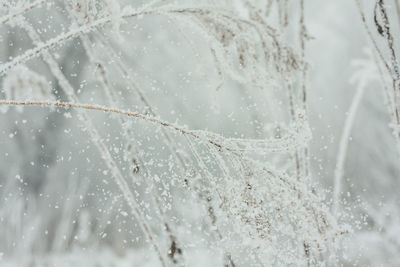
(199,133)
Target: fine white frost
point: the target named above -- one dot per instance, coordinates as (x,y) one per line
(197,133)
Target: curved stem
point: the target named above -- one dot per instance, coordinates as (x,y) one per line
(110,110)
(343,145)
(219,142)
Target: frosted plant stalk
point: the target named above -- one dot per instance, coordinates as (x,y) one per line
(343,145)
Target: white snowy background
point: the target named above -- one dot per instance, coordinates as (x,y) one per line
(59,203)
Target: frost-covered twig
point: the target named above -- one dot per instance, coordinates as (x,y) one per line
(117,111)
(390,42)
(370,36)
(58,40)
(7,18)
(303,37)
(392,71)
(128,13)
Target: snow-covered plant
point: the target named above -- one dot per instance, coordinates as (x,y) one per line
(145,168)
(388,65)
